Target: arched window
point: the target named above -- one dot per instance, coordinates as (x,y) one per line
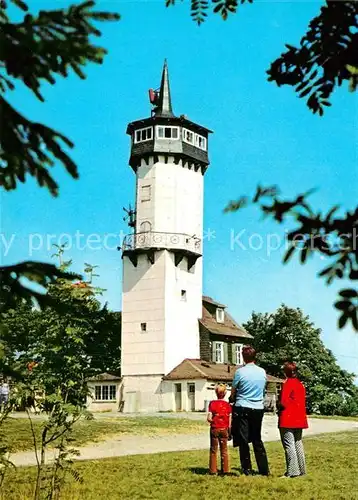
(145,227)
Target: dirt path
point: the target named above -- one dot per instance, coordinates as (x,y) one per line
(137,445)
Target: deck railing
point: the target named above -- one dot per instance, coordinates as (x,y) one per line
(150,239)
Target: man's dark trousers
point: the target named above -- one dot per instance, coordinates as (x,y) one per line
(247,424)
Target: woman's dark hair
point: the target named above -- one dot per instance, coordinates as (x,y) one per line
(290,369)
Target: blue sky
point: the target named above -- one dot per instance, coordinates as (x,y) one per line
(261,134)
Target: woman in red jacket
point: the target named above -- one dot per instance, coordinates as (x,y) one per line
(292,419)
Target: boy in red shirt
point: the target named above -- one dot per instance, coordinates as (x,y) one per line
(219,417)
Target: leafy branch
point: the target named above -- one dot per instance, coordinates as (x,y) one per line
(13,289)
(325,58)
(29,148)
(334,237)
(58,428)
(327,54)
(199,8)
(5,462)
(37,49)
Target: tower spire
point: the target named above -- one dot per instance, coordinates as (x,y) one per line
(164,105)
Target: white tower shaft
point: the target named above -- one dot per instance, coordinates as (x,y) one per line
(162,301)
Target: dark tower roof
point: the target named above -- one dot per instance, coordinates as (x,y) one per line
(148,133)
(164,105)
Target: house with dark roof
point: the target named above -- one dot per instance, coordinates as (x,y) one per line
(191,383)
(221,338)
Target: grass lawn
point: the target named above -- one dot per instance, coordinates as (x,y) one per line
(331,461)
(16,433)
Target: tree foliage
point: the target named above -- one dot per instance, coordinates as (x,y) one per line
(288,335)
(50,353)
(72,339)
(326,57)
(327,54)
(332,236)
(13,288)
(33,51)
(57,430)
(5,462)
(199,8)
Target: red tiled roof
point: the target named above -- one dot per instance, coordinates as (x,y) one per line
(192,369)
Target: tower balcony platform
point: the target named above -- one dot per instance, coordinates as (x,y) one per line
(182,245)
(159,241)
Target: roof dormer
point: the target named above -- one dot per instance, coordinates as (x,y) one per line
(220,315)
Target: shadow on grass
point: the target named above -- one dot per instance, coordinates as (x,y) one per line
(202,471)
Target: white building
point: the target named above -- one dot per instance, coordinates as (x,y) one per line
(175,343)
(104,392)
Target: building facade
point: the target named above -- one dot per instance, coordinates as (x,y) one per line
(104,393)
(175,343)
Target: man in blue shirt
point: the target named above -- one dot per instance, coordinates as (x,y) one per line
(247,394)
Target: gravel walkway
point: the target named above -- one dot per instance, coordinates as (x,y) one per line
(136,445)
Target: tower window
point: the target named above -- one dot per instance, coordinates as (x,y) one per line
(143,327)
(220,315)
(188,136)
(143,134)
(200,142)
(167,132)
(145,227)
(146,193)
(183,295)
